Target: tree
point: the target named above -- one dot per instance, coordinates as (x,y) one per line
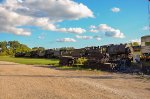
(11,47)
(15,46)
(67,48)
(135,44)
(38,48)
(3,46)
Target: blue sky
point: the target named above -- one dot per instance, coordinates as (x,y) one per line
(130,20)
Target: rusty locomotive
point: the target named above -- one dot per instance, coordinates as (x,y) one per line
(105,57)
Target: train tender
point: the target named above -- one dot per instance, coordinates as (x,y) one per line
(145,46)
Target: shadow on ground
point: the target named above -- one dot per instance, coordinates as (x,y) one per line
(8,64)
(147,89)
(62,67)
(132,76)
(53,76)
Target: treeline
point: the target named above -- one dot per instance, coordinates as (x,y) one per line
(12,47)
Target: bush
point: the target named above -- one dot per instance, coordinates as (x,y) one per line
(3,53)
(80,61)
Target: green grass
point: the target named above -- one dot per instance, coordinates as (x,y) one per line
(30,61)
(70,68)
(38,61)
(76,67)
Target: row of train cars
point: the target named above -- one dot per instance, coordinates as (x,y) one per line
(107,57)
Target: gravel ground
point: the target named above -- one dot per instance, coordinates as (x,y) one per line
(19,81)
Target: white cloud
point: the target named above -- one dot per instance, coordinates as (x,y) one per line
(84,37)
(94,31)
(136,40)
(54,9)
(9,21)
(145,28)
(115,10)
(14,14)
(92,26)
(66,40)
(71,30)
(42,36)
(109,31)
(43,23)
(98,38)
(20,1)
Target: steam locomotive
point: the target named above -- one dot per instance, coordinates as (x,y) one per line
(105,57)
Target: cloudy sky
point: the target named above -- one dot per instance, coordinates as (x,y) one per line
(73,23)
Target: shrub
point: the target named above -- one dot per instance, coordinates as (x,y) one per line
(80,61)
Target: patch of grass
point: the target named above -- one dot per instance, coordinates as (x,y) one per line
(146,63)
(70,68)
(30,61)
(76,67)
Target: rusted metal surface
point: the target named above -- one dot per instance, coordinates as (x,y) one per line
(67,61)
(145,44)
(78,53)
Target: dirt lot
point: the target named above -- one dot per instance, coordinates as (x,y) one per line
(40,82)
